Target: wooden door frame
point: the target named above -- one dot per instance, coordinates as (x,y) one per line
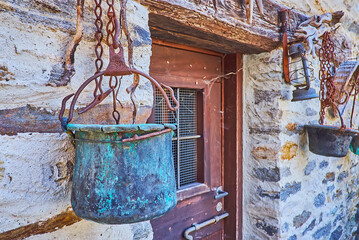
(232,146)
(196,202)
(233,143)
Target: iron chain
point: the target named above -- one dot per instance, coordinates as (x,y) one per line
(326,76)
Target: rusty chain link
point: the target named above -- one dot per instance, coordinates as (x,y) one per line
(353,107)
(98,47)
(112,29)
(113,84)
(326,76)
(111,25)
(98,35)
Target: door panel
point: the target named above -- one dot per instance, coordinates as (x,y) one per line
(183,69)
(193,210)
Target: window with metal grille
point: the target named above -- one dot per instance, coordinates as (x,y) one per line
(185,143)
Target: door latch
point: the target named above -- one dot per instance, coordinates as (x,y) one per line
(198,226)
(220,193)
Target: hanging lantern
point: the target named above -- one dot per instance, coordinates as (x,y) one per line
(300,77)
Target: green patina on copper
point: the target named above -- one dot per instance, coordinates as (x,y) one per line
(118,182)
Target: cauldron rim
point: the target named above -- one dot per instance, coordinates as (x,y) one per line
(119,127)
(334,128)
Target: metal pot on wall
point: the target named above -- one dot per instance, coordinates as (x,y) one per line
(123,173)
(329,141)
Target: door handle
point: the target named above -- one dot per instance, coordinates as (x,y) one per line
(220,193)
(198,226)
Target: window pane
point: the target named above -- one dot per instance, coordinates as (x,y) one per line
(184,149)
(188,161)
(188,112)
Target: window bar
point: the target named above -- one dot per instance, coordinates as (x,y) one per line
(178,143)
(186,137)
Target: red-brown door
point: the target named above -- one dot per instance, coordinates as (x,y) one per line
(195,76)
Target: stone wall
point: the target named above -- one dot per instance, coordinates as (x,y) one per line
(36,159)
(289,192)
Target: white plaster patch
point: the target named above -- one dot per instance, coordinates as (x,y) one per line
(36,184)
(88,230)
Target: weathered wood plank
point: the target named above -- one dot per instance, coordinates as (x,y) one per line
(50,225)
(28,119)
(223,28)
(34,119)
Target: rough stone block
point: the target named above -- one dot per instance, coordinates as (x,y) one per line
(330,188)
(270,130)
(337,233)
(338,218)
(310,227)
(342,176)
(299,220)
(293,237)
(270,194)
(309,167)
(337,194)
(323,232)
(289,150)
(267,174)
(291,127)
(267,228)
(290,189)
(143,36)
(265,152)
(39,170)
(5,74)
(266,96)
(329,177)
(319,200)
(310,112)
(323,164)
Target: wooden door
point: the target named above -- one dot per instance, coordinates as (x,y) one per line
(195,76)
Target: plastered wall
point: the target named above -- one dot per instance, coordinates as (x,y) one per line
(36,165)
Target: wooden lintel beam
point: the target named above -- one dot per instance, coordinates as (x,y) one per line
(39,120)
(220,28)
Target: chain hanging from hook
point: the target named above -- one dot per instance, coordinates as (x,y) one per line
(116,69)
(327,94)
(98,48)
(113,30)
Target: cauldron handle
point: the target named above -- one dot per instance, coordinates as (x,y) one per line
(159,86)
(64,121)
(74,100)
